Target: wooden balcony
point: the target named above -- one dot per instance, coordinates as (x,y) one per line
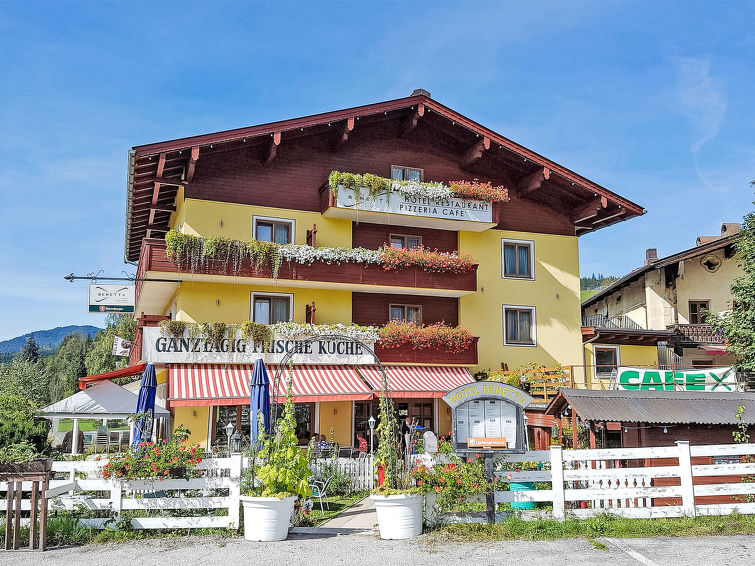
(154,264)
(694,334)
(405,354)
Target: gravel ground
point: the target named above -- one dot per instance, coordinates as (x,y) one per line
(334,547)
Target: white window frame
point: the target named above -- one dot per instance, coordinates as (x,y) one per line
(291,221)
(533,312)
(615,347)
(290,297)
(531,244)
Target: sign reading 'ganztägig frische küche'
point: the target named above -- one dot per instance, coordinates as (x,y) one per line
(488,416)
(703,379)
(158,347)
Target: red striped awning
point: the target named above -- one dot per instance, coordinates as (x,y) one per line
(418,381)
(221,384)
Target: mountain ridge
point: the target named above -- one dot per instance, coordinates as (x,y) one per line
(46,339)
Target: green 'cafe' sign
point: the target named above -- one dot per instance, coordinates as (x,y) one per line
(713,379)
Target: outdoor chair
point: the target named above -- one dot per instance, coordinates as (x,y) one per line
(320,490)
(101,440)
(345,452)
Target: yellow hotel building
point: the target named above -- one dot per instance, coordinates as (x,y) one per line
(518,297)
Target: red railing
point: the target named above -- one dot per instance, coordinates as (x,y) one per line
(698,333)
(406,354)
(153,258)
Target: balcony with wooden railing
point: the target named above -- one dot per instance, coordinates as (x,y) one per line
(694,334)
(617,322)
(153,261)
(407,354)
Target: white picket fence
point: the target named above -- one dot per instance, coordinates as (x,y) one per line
(583,485)
(210,501)
(359,470)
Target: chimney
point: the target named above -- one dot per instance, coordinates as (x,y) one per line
(701,240)
(651,255)
(730,228)
(421,92)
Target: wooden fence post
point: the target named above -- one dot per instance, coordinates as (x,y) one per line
(234,491)
(685,475)
(557,482)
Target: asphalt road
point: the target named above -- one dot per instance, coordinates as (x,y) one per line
(333,547)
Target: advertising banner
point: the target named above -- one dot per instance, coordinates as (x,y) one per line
(396,203)
(703,379)
(121,347)
(111,298)
(158,347)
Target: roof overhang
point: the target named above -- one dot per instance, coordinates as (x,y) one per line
(156,171)
(597,335)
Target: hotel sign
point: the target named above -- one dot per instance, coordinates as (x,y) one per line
(396,203)
(703,379)
(158,347)
(488,416)
(111,298)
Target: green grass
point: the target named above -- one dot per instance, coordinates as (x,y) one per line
(606,525)
(337,504)
(587,294)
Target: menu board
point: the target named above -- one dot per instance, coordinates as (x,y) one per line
(508,422)
(476,419)
(462,423)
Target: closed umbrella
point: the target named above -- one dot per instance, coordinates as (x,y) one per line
(145,404)
(259,399)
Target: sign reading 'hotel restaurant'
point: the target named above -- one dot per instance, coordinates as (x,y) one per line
(488,416)
(396,203)
(158,347)
(703,379)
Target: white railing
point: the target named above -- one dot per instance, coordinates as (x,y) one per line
(358,470)
(209,501)
(634,482)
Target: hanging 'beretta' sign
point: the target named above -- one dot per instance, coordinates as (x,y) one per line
(703,379)
(488,416)
(158,347)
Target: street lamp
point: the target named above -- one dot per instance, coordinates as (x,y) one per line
(229,428)
(371,422)
(234,443)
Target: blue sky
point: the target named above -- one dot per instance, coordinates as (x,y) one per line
(652,100)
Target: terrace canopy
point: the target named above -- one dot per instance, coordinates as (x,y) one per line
(104,400)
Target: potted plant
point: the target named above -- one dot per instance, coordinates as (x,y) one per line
(23,458)
(167,459)
(398,503)
(277,475)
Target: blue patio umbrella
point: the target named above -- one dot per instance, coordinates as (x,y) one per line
(259,399)
(145,404)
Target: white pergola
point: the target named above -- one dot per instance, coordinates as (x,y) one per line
(104,400)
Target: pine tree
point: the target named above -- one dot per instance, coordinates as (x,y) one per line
(30,351)
(738,325)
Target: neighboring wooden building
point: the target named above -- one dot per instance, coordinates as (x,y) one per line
(270,182)
(664,301)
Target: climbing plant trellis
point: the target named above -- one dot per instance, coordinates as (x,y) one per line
(386,405)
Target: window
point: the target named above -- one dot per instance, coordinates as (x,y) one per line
(272,308)
(702,364)
(518,257)
(696,311)
(278,230)
(519,326)
(405,174)
(409,313)
(606,361)
(408,242)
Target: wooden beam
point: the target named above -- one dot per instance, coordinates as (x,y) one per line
(474,153)
(343,134)
(533,182)
(411,120)
(163,207)
(620,212)
(272,150)
(172,182)
(161,165)
(589,209)
(192,163)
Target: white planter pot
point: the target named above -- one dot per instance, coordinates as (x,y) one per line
(399,516)
(267,518)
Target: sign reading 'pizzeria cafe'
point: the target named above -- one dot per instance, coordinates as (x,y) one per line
(488,415)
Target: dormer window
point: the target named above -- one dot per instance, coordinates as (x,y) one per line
(405,173)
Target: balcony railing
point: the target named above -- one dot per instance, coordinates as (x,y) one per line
(153,258)
(618,322)
(406,354)
(698,334)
